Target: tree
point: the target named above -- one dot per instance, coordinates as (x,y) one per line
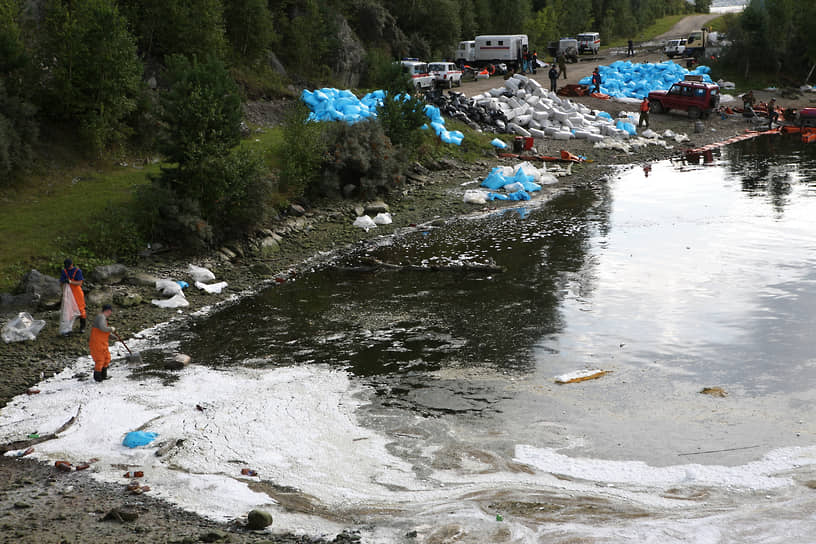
(201,111)
(18,128)
(249,27)
(92,72)
(186,27)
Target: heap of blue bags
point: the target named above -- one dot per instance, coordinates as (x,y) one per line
(331,104)
(496,180)
(634,80)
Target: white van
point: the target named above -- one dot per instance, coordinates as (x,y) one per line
(589,42)
(675,48)
(465,52)
(418,71)
(507,48)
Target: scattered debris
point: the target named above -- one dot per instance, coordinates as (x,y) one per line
(21,328)
(581,376)
(122,516)
(248,472)
(714,391)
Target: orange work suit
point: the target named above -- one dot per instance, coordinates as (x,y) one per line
(79,296)
(99,349)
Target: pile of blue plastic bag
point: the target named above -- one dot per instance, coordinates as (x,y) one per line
(633,80)
(331,104)
(496,180)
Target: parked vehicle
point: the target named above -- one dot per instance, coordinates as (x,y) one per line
(696,43)
(806,117)
(465,52)
(495,49)
(675,48)
(589,42)
(418,71)
(565,46)
(446,74)
(695,97)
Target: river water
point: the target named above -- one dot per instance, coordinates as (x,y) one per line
(419,405)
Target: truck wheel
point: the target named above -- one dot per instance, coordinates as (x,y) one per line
(655,107)
(459,82)
(450,84)
(694,112)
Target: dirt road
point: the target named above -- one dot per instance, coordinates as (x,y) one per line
(686,25)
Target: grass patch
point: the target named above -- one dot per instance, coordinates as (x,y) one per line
(45,212)
(660,26)
(720,24)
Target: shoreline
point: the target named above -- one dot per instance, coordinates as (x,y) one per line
(432,197)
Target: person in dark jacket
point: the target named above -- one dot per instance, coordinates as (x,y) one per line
(553,74)
(631,51)
(596,80)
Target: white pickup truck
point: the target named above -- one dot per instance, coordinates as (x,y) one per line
(446,74)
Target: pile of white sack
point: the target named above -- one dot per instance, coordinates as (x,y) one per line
(175,289)
(531,110)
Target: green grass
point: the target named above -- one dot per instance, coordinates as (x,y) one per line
(44,211)
(664,24)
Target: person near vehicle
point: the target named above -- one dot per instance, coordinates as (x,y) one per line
(72,275)
(748,100)
(773,115)
(562,65)
(631,51)
(100,333)
(534,60)
(553,73)
(596,80)
(644,112)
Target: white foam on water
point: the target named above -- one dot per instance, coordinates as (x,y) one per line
(295,426)
(757,475)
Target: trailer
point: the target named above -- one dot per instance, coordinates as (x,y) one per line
(507,48)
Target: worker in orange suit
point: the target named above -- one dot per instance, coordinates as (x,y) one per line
(72,275)
(100,332)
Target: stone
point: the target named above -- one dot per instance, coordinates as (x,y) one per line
(348,190)
(99,297)
(349,55)
(141,278)
(120,515)
(258,519)
(262,270)
(213,535)
(12,302)
(227,253)
(296,209)
(127,300)
(46,291)
(714,391)
(375,207)
(237,249)
(359,210)
(269,246)
(447,164)
(109,273)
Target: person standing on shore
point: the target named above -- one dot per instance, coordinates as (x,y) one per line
(562,65)
(72,278)
(553,74)
(631,51)
(596,80)
(100,353)
(644,112)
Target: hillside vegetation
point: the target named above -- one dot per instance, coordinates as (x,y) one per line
(89,85)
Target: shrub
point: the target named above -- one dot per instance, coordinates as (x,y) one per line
(401,116)
(302,152)
(360,155)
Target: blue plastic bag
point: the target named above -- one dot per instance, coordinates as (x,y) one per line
(495,142)
(495,180)
(134,439)
(519,195)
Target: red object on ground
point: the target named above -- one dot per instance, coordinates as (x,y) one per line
(567,156)
(602,96)
(64,466)
(809,137)
(572,90)
(528,143)
(82,466)
(248,472)
(32,391)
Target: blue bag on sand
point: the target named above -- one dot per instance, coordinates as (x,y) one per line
(135,439)
(495,142)
(495,180)
(519,195)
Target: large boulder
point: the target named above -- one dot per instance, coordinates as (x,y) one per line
(99,297)
(45,291)
(142,278)
(109,273)
(349,56)
(258,519)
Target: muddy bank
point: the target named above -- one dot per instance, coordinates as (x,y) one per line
(46,511)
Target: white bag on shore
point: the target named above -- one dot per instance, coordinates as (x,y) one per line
(177,301)
(213,288)
(169,288)
(199,273)
(23,327)
(69,310)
